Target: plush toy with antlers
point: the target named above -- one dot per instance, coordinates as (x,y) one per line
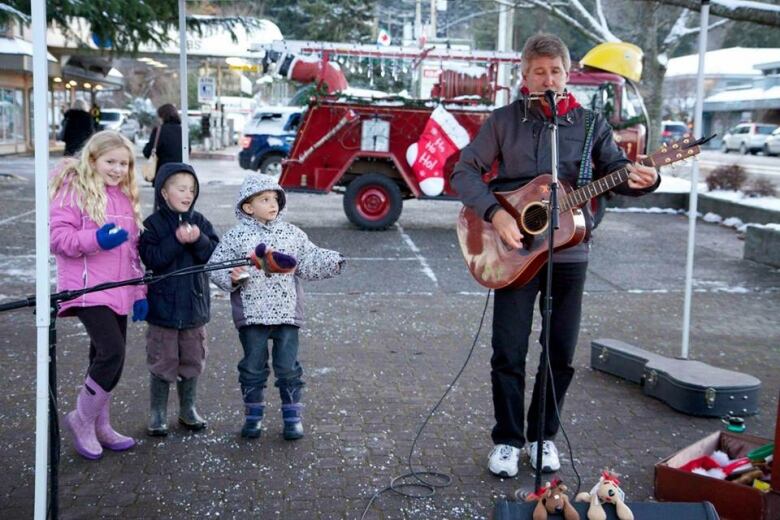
(551,499)
(606,491)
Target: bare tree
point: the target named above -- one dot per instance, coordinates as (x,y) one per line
(746,11)
(655,29)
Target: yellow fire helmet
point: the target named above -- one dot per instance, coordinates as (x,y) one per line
(618,57)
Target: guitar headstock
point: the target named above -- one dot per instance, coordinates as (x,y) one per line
(675,151)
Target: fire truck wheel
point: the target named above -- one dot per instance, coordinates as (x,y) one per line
(373,202)
(272,166)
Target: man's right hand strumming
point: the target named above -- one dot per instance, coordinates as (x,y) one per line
(507,228)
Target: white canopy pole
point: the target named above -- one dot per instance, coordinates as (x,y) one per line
(42,293)
(185,121)
(692,203)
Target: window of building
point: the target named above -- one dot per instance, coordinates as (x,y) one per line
(11,116)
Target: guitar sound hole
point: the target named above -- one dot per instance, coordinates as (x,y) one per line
(534,218)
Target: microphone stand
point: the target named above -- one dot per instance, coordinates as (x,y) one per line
(552,219)
(57,298)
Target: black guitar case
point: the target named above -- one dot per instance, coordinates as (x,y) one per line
(688,386)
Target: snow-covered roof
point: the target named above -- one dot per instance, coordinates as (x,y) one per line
(18,46)
(214,42)
(754,98)
(734,61)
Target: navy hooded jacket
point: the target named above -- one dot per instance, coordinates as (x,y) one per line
(178,302)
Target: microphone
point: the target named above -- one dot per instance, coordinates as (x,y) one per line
(549,95)
(272,262)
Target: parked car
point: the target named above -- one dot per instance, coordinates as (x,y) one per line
(120,120)
(673,131)
(772,143)
(268,138)
(747,137)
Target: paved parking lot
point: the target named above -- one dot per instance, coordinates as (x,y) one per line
(380,346)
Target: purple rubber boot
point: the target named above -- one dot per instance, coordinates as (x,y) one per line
(106,436)
(81,421)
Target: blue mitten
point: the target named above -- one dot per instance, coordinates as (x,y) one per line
(140,310)
(109,236)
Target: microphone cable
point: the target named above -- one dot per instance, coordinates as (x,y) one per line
(551,381)
(560,424)
(444,480)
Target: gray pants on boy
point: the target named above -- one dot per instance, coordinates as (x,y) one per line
(173,353)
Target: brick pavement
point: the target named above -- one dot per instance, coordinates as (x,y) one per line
(379,348)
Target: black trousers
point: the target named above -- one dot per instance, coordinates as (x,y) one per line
(107,338)
(512,320)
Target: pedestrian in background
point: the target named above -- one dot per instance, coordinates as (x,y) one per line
(77,126)
(95,216)
(176,237)
(268,304)
(169,148)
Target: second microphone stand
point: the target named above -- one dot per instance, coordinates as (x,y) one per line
(57,298)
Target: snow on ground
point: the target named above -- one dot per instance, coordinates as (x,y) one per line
(677,185)
(671,184)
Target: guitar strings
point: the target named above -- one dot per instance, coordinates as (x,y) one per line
(539,212)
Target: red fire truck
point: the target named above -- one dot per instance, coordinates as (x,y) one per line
(359,147)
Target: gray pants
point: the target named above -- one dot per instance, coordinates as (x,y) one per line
(172,353)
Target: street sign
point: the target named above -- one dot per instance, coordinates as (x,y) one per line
(207,90)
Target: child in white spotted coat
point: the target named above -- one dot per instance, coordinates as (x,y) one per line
(269,306)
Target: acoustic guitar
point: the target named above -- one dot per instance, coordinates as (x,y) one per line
(496,265)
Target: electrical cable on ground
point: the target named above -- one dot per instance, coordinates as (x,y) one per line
(445,480)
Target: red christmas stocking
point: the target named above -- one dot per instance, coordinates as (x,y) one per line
(441,137)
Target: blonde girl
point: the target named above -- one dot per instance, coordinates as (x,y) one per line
(95,221)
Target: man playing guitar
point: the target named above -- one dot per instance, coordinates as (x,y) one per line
(518,137)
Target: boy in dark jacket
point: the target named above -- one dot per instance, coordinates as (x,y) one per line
(175,237)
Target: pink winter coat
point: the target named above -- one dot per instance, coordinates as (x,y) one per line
(80,261)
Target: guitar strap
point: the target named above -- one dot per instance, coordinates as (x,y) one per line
(586,174)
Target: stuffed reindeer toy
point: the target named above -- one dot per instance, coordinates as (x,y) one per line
(607,491)
(551,499)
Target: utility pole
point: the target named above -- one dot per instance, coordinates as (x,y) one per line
(418,20)
(504,43)
(433,19)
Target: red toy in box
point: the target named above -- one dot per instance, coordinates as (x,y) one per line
(717,465)
(732,500)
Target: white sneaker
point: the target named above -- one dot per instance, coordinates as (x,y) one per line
(550,461)
(503,460)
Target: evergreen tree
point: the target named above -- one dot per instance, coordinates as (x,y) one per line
(121,26)
(324,20)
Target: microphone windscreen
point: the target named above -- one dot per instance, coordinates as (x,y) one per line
(260,250)
(283,263)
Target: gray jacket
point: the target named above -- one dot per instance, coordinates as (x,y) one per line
(517,136)
(278,298)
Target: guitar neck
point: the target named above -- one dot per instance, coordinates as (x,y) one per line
(582,195)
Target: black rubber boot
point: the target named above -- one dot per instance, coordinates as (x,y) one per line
(188,415)
(158,409)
